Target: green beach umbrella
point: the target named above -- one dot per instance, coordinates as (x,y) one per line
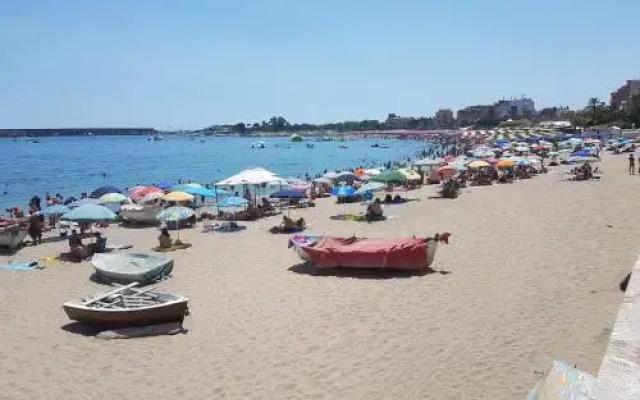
(391,176)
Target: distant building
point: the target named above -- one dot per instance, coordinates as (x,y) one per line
(472,114)
(554,113)
(622,97)
(444,118)
(515,108)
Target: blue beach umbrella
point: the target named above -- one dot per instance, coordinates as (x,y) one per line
(89,213)
(165,184)
(343,191)
(101,191)
(55,210)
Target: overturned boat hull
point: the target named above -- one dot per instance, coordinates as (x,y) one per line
(415,254)
(126,267)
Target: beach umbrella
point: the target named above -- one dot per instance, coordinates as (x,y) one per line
(372,172)
(443,173)
(505,164)
(143,192)
(151,197)
(522,149)
(178,196)
(478,164)
(134,189)
(371,187)
(347,176)
(331,175)
(410,174)
(390,176)
(113,198)
(491,160)
(233,201)
(581,153)
(82,202)
(343,191)
(175,214)
(325,181)
(197,190)
(425,162)
(55,210)
(166,184)
(99,192)
(581,159)
(288,194)
(89,213)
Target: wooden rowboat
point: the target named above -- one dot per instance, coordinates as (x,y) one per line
(127,306)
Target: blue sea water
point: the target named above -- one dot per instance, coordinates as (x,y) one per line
(72,165)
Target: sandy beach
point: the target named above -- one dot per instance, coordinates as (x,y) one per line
(531,274)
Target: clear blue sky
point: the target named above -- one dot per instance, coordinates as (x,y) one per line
(186,64)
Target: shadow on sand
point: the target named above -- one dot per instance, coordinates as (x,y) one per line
(119,332)
(361,273)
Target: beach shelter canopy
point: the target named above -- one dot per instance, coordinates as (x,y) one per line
(178,196)
(175,214)
(255,176)
(89,213)
(233,201)
(390,176)
(99,192)
(289,194)
(113,198)
(55,210)
(343,191)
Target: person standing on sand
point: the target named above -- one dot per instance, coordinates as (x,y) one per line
(632,164)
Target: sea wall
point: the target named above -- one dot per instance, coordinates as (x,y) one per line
(619,376)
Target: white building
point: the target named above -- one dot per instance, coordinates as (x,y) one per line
(515,108)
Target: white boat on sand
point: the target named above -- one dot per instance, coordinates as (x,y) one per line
(127,306)
(11,236)
(142,214)
(126,267)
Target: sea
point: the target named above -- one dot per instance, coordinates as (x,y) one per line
(75,164)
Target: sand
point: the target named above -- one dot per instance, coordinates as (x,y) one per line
(531,274)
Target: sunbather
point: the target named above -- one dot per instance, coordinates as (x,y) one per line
(77,250)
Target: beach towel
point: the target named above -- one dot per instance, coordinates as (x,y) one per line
(174,247)
(21,265)
(564,382)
